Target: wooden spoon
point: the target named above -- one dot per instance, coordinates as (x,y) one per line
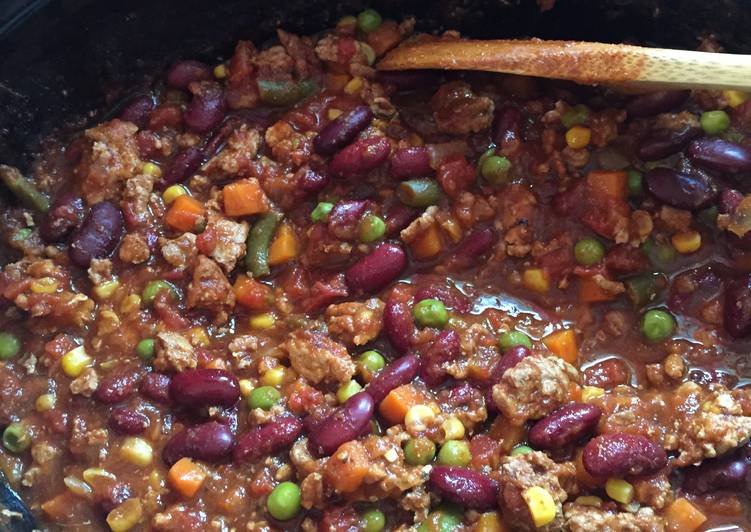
(584,62)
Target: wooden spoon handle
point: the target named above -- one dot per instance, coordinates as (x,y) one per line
(583,62)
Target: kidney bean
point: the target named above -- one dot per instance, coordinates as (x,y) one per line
(399,325)
(470,489)
(408,79)
(665,142)
(720,155)
(311,181)
(345,424)
(723,473)
(264,440)
(445,347)
(205,387)
(360,157)
(345,216)
(206,109)
(182,73)
(680,190)
(115,388)
(155,386)
(655,103)
(210,442)
(111,495)
(449,296)
(507,125)
(63,217)
(565,426)
(618,454)
(128,421)
(411,162)
(376,269)
(98,235)
(729,200)
(184,165)
(509,359)
(399,217)
(737,307)
(401,371)
(137,110)
(342,130)
(472,248)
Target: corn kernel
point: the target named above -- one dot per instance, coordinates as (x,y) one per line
(137,451)
(151,169)
(45,285)
(199,337)
(75,361)
(273,377)
(453,428)
(246,386)
(156,480)
(418,418)
(45,402)
(591,392)
(220,71)
(354,86)
(126,516)
(333,113)
(173,192)
(367,51)
(578,137)
(536,279)
(106,289)
(92,473)
(489,522)
(541,505)
(262,321)
(735,98)
(131,304)
(619,490)
(453,229)
(588,500)
(686,242)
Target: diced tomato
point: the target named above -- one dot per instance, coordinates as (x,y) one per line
(326,291)
(206,241)
(455,175)
(252,294)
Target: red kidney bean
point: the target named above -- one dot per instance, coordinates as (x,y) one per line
(665,142)
(63,217)
(399,217)
(345,217)
(680,190)
(507,125)
(470,489)
(723,473)
(264,440)
(565,426)
(345,424)
(449,296)
(729,200)
(623,259)
(116,388)
(411,162)
(210,442)
(182,73)
(207,108)
(399,325)
(509,359)
(445,347)
(408,79)
(128,421)
(737,307)
(720,155)
(376,269)
(472,248)
(360,157)
(655,103)
(184,165)
(137,110)
(98,235)
(342,130)
(113,494)
(618,454)
(155,386)
(205,387)
(311,181)
(401,371)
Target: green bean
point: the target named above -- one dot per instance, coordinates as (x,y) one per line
(259,239)
(23,189)
(419,192)
(644,288)
(283,93)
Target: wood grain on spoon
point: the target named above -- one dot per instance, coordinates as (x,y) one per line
(583,62)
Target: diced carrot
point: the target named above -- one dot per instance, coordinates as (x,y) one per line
(683,516)
(252,294)
(244,197)
(284,246)
(591,292)
(395,405)
(575,392)
(609,182)
(186,477)
(507,434)
(336,82)
(582,475)
(347,467)
(384,37)
(562,344)
(427,244)
(60,508)
(185,214)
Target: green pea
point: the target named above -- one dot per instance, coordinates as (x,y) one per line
(371,228)
(373,520)
(709,215)
(145,349)
(419,451)
(657,325)
(347,390)
(264,397)
(521,449)
(430,313)
(575,116)
(368,20)
(21,235)
(634,183)
(589,251)
(421,192)
(283,502)
(10,345)
(455,453)
(495,169)
(445,519)
(153,289)
(511,339)
(371,360)
(714,122)
(16,438)
(321,212)
(660,254)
